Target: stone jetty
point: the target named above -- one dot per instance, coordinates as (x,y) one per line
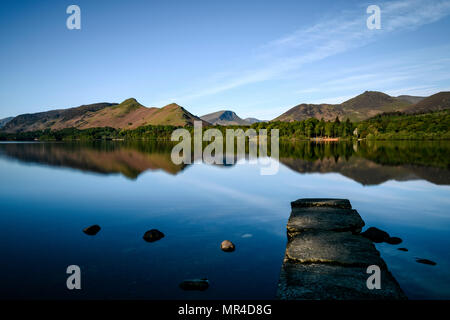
(327,258)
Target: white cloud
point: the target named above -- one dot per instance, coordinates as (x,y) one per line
(391,76)
(344,32)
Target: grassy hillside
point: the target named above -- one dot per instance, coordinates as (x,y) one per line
(306,111)
(4,121)
(174,115)
(411,99)
(54,119)
(436,102)
(361,107)
(371,103)
(129,114)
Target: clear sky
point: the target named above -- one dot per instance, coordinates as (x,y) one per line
(256,57)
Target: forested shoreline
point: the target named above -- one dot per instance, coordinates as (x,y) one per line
(393,126)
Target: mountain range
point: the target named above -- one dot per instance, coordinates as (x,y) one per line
(361,107)
(131,114)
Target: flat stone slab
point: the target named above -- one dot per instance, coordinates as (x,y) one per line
(331,282)
(314,202)
(326,256)
(323,218)
(329,247)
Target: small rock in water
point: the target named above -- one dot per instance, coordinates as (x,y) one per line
(153,235)
(195,285)
(227,246)
(426,261)
(402,249)
(376,235)
(394,240)
(92,230)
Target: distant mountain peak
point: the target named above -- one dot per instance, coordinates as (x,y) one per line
(369,99)
(129,104)
(253,120)
(129,100)
(224,118)
(228,115)
(172,105)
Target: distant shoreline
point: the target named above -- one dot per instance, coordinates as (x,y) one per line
(425,126)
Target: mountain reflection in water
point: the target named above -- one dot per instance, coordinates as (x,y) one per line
(369,163)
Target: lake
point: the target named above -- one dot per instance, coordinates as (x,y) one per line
(49,192)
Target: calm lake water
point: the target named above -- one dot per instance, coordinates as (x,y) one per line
(49,192)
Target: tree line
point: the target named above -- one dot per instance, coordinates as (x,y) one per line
(393,126)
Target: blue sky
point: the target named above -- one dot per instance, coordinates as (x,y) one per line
(258,58)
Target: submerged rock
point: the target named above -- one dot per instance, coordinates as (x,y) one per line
(92,230)
(227,246)
(376,235)
(195,285)
(153,235)
(426,261)
(402,249)
(394,240)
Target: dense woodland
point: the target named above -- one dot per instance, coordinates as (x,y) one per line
(394,126)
